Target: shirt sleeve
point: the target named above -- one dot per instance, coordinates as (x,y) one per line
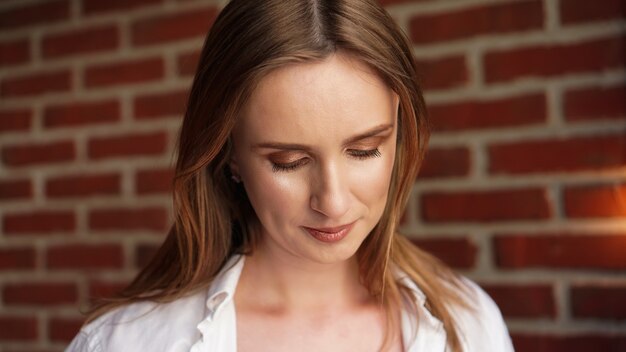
(496,325)
(83,342)
(484,329)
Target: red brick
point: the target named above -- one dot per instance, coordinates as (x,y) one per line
(173,27)
(18,328)
(148,218)
(12,120)
(80,113)
(85,256)
(187,63)
(153,143)
(154,181)
(601,152)
(144,253)
(600,201)
(126,72)
(480,114)
(83,185)
(561,251)
(547,60)
(12,259)
(458,253)
(443,73)
(64,329)
(524,300)
(171,104)
(39,222)
(474,21)
(485,205)
(595,103)
(95,7)
(15,189)
(445,162)
(37,83)
(80,41)
(605,302)
(581,11)
(14,52)
(34,14)
(568,343)
(18,349)
(40,294)
(42,153)
(105,289)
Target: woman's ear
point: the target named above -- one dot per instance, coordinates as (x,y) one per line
(234,169)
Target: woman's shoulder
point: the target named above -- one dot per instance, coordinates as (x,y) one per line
(481,325)
(144,325)
(477,318)
(164,326)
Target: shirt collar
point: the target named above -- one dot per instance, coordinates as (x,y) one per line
(220,293)
(225,282)
(223,288)
(404,279)
(428,327)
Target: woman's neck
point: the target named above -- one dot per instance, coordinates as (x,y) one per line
(280,282)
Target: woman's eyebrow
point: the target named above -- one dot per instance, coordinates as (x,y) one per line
(292,146)
(372,132)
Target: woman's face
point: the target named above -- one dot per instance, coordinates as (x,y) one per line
(315,148)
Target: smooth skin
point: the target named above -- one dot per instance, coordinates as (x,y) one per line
(296,152)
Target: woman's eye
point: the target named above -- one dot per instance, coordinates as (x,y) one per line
(359,154)
(364,154)
(287,167)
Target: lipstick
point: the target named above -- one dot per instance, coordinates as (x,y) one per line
(329,234)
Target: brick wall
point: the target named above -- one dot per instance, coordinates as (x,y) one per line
(523,188)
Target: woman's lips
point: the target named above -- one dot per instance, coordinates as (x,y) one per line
(329,234)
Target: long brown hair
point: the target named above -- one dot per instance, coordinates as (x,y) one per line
(213,217)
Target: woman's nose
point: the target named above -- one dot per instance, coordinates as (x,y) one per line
(330,192)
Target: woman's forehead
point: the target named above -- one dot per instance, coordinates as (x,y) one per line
(337,92)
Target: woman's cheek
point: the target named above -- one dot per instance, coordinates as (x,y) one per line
(372,180)
(271,191)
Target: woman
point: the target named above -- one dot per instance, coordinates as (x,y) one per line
(304,132)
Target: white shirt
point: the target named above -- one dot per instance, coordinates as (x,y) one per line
(205,321)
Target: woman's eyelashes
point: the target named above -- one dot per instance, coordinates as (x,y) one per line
(286,167)
(355,153)
(364,154)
